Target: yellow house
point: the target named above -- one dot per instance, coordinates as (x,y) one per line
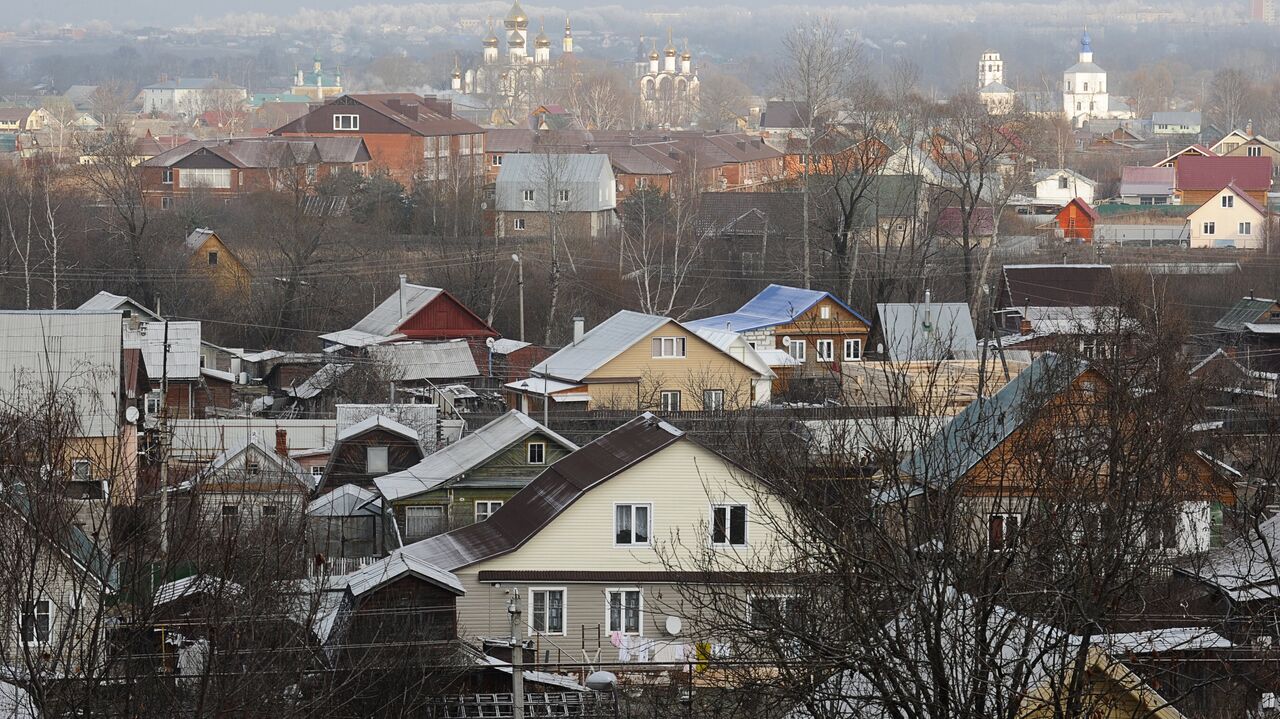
(639,362)
(1108,690)
(594,551)
(209,254)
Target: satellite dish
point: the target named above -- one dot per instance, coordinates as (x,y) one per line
(488,342)
(673,626)
(131,415)
(786,340)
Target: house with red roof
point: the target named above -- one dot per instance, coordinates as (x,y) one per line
(1077,220)
(1232,219)
(1200,179)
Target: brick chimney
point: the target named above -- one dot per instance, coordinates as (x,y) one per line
(282,442)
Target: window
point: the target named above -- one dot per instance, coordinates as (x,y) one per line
(37,621)
(769,611)
(713,400)
(1253,151)
(425,521)
(852,350)
(527,195)
(825,350)
(729,525)
(166,203)
(1164,533)
(230,517)
(375,460)
(624,610)
(668,347)
(214,179)
(546,611)
(346,122)
(252,468)
(496,161)
(536,453)
(317,472)
(669,400)
(631,524)
(486,508)
(1228,200)
(1086,86)
(167,176)
(562,195)
(81,470)
(312,173)
(1209,228)
(824,312)
(269,511)
(797,349)
(1062,182)
(1246,228)
(153,403)
(1002,531)
(517,224)
(213,258)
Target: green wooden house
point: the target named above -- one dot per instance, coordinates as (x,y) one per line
(468,480)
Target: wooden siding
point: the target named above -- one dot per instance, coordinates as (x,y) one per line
(347,463)
(445,318)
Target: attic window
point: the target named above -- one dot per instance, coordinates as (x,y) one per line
(824,312)
(537,453)
(213,258)
(1228,201)
(346,122)
(252,468)
(375,460)
(1062,182)
(1254,151)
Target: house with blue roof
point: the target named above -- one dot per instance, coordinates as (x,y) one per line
(815,327)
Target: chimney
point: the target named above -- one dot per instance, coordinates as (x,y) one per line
(1248,128)
(404,286)
(409,111)
(579,327)
(282,442)
(927,296)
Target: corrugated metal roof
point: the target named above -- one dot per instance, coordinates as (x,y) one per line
(559,486)
(105,301)
(183,360)
(1056,285)
(588,178)
(599,345)
(927,331)
(1147,181)
(1247,569)
(1247,310)
(285,468)
(736,346)
(412,361)
(386,318)
(775,305)
(347,500)
(397,565)
(1252,174)
(464,455)
(377,421)
(507,346)
(320,381)
(203,439)
(985,423)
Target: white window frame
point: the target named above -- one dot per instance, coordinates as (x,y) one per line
(562,196)
(166,176)
(496,161)
(669,347)
(1228,201)
(564,612)
(728,524)
(518,224)
(609,592)
(824,312)
(664,400)
(166,203)
(528,453)
(1246,228)
(369,454)
(824,350)
(317,471)
(648,521)
(1253,151)
(76,465)
(490,506)
(346,122)
(798,349)
(36,641)
(849,355)
(717,400)
(1210,228)
(527,195)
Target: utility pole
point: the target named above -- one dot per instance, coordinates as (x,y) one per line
(520,283)
(164,445)
(517,657)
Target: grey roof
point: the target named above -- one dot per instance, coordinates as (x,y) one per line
(284,466)
(183,358)
(1191,118)
(269,152)
(105,301)
(1049,173)
(504,346)
(413,361)
(377,421)
(192,83)
(397,565)
(996,88)
(549,494)
(320,381)
(1247,569)
(1085,67)
(197,238)
(927,331)
(385,318)
(464,455)
(587,177)
(986,422)
(1246,310)
(347,500)
(599,345)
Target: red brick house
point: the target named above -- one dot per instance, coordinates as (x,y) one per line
(409,136)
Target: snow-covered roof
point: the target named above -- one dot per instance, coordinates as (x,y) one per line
(346,501)
(380,422)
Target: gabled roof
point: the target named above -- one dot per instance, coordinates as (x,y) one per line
(347,500)
(774,305)
(268,152)
(105,301)
(1195,149)
(549,494)
(1148,180)
(1191,117)
(1245,197)
(987,422)
(284,467)
(599,345)
(396,566)
(927,331)
(1048,174)
(1056,285)
(1085,207)
(413,361)
(426,116)
(1247,569)
(1252,174)
(1247,310)
(466,454)
(377,421)
(384,320)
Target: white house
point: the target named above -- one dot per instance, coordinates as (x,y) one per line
(1231,219)
(1060,186)
(191,96)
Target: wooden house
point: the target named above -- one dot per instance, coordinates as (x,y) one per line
(1076,221)
(210,256)
(414,312)
(369,449)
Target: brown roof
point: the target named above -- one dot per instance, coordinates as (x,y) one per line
(422,115)
(15,114)
(549,494)
(1056,285)
(257,152)
(750,213)
(1251,174)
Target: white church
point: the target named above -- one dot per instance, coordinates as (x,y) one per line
(1084,90)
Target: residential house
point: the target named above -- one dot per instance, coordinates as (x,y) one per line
(813,326)
(1196,150)
(411,137)
(950,223)
(774,364)
(748,225)
(132,311)
(1244,143)
(1176,123)
(414,313)
(1024,287)
(190,96)
(976,454)
(393,601)
(572,195)
(467,481)
(22,119)
(1149,185)
(785,119)
(1232,218)
(1201,178)
(228,169)
(635,361)
(213,258)
(930,331)
(887,208)
(1076,221)
(252,486)
(188,395)
(369,449)
(1252,328)
(509,360)
(594,550)
(1060,186)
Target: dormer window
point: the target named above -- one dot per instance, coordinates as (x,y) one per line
(346,122)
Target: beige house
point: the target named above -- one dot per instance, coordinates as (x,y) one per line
(639,362)
(1230,219)
(594,551)
(1244,143)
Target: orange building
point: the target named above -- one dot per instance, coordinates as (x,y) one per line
(1077,220)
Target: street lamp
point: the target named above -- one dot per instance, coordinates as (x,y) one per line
(515,257)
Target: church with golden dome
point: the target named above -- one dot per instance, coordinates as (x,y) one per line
(512,75)
(669,86)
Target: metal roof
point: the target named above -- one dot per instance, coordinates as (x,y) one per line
(377,421)
(397,565)
(1252,174)
(507,346)
(986,422)
(284,466)
(1245,311)
(1190,117)
(105,301)
(320,381)
(775,305)
(1147,180)
(183,360)
(599,345)
(347,500)
(736,346)
(1056,285)
(464,455)
(588,178)
(412,361)
(1246,569)
(549,494)
(927,331)
(386,318)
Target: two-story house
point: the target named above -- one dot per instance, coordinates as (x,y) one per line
(569,195)
(1199,179)
(1232,218)
(1245,143)
(1057,187)
(369,449)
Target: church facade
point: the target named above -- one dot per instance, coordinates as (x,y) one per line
(512,78)
(669,87)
